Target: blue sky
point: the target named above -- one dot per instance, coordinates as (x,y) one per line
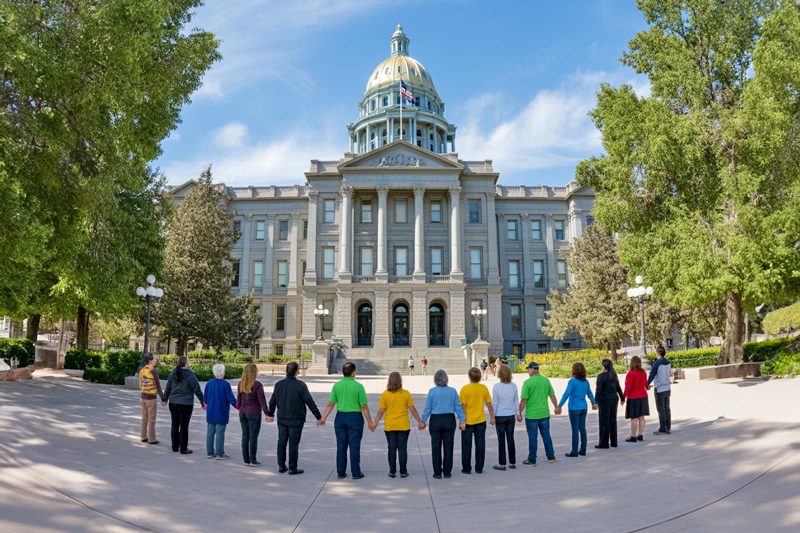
(517,79)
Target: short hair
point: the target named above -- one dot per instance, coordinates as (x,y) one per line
(579,371)
(504,373)
(348,368)
(661,351)
(292,368)
(440,378)
(474,374)
(218,370)
(635,364)
(395,382)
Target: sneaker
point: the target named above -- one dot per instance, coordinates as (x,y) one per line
(144,440)
(154,442)
(447,476)
(499,467)
(668,432)
(246,463)
(211,456)
(437,476)
(528,463)
(282,470)
(392,475)
(630,439)
(553,460)
(255,463)
(600,447)
(296,471)
(465,471)
(512,466)
(479,471)
(223,457)
(342,477)
(404,475)
(570,454)
(640,437)
(581,453)
(359,476)
(659,433)
(187,452)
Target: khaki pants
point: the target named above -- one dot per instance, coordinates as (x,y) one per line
(148,420)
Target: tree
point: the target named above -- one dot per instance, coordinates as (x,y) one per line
(701,177)
(197,301)
(596,304)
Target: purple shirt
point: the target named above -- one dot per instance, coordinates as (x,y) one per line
(251,404)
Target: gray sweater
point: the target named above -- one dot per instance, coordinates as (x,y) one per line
(180,392)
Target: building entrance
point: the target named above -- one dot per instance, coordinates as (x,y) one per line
(436,325)
(400,325)
(364,334)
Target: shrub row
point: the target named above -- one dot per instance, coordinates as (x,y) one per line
(564,370)
(782,319)
(23,349)
(122,362)
(783,365)
(765,350)
(203,372)
(691,358)
(578,356)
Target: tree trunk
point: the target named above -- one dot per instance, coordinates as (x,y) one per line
(15,330)
(180,345)
(732,350)
(33,327)
(82,339)
(613,347)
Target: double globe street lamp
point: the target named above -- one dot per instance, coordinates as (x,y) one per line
(479,312)
(148,293)
(639,293)
(320,312)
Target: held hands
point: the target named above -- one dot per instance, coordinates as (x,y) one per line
(622,402)
(270,418)
(163,403)
(204,406)
(422,426)
(320,422)
(491,422)
(594,407)
(558,410)
(519,418)
(462,426)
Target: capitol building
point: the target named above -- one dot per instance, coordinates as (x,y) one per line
(400,239)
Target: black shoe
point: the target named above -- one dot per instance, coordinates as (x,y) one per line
(466,471)
(479,471)
(447,476)
(404,475)
(570,454)
(668,432)
(600,447)
(187,452)
(255,463)
(630,439)
(640,437)
(499,467)
(174,451)
(391,474)
(154,442)
(438,476)
(282,469)
(581,453)
(296,471)
(358,476)
(342,477)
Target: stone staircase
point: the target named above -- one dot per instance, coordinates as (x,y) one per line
(377,362)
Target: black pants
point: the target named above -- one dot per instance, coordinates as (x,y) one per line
(479,432)
(443,433)
(504,425)
(251,427)
(607,414)
(664,412)
(397,441)
(181,414)
(289,432)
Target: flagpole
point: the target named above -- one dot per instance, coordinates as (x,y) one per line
(401,105)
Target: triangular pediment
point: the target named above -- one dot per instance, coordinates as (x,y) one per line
(183,189)
(400,154)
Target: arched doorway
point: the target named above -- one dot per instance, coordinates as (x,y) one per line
(400,325)
(436,325)
(364,325)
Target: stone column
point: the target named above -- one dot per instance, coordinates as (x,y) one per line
(494,270)
(268,266)
(455,232)
(551,275)
(383,192)
(381,318)
(419,319)
(501,249)
(293,262)
(346,192)
(244,265)
(369,138)
(311,243)
(419,238)
(436,148)
(527,267)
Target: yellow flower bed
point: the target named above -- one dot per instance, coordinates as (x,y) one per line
(577,356)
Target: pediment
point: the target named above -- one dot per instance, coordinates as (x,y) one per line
(183,189)
(400,155)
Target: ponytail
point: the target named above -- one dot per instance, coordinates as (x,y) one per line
(182,360)
(609,366)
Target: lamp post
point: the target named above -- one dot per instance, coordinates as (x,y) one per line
(148,293)
(479,312)
(639,293)
(320,312)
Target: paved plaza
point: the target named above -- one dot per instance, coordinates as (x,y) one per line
(71,460)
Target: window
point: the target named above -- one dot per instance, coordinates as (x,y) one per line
(282,273)
(329,207)
(559,227)
(436,212)
(260,230)
(385,101)
(589,221)
(280,318)
(475,267)
(540,318)
(373,105)
(366,261)
(513,274)
(401,261)
(400,212)
(436,261)
(327,320)
(258,274)
(516,349)
(538,274)
(303,276)
(305,229)
(512,230)
(566,345)
(366,212)
(237,226)
(542,348)
(516,317)
(475,211)
(536,230)
(279,350)
(327,263)
(235,274)
(562,274)
(283,230)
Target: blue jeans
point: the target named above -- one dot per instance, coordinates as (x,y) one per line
(349,428)
(218,431)
(535,426)
(577,420)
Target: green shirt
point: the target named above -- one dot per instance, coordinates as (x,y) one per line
(348,395)
(537,389)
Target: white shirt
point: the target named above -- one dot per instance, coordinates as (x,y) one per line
(505,399)
(410,363)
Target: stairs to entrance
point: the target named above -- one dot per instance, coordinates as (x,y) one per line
(376,362)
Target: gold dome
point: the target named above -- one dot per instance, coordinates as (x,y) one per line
(390,71)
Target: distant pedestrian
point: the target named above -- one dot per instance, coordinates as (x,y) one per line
(424,366)
(636,395)
(607,393)
(219,396)
(533,402)
(443,407)
(659,377)
(291,396)
(252,403)
(411,366)
(577,391)
(150,388)
(396,403)
(350,400)
(182,384)
(473,397)
(505,401)
(485,369)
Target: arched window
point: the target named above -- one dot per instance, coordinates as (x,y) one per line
(436,325)
(385,101)
(400,318)
(364,325)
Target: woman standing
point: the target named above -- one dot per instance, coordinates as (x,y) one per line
(577,391)
(181,385)
(396,403)
(442,406)
(505,401)
(150,387)
(636,394)
(607,392)
(251,403)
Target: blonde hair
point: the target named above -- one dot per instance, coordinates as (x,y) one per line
(248,378)
(635,364)
(395,382)
(504,373)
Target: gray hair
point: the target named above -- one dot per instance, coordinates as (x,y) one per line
(218,370)
(440,378)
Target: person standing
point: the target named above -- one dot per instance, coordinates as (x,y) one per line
(350,400)
(577,390)
(219,396)
(607,392)
(252,403)
(411,366)
(182,384)
(396,403)
(505,401)
(291,396)
(533,401)
(635,394)
(424,366)
(150,388)
(443,407)
(485,369)
(659,377)
(473,397)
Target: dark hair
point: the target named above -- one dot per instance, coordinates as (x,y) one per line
(292,368)
(348,368)
(661,351)
(474,374)
(579,371)
(146,358)
(609,366)
(182,360)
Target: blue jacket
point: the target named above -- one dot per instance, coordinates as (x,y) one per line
(577,391)
(659,374)
(219,395)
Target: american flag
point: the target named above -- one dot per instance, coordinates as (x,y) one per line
(405,92)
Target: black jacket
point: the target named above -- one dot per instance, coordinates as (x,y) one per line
(181,392)
(291,396)
(607,389)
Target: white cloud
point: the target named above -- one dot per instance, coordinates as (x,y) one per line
(231,135)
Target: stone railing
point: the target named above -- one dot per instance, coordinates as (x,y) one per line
(478,166)
(365,279)
(438,279)
(324,166)
(401,279)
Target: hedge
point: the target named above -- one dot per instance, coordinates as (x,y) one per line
(83,359)
(765,350)
(564,370)
(782,319)
(784,365)
(691,358)
(99,375)
(203,372)
(577,356)
(23,349)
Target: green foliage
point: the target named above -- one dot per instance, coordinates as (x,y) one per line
(782,319)
(577,356)
(101,375)
(765,350)
(785,365)
(203,372)
(23,349)
(561,370)
(691,358)
(83,359)
(124,362)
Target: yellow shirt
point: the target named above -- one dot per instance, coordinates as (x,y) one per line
(474,396)
(396,404)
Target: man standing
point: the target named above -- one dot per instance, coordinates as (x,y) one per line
(533,401)
(350,400)
(424,366)
(291,397)
(659,377)
(411,366)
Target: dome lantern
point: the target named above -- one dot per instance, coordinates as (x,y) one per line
(399,42)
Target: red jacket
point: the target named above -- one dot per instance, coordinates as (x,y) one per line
(635,384)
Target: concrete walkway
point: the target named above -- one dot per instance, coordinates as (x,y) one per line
(71,460)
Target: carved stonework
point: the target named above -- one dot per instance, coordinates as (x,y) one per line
(399,160)
(455,192)
(346,191)
(419,191)
(383,191)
